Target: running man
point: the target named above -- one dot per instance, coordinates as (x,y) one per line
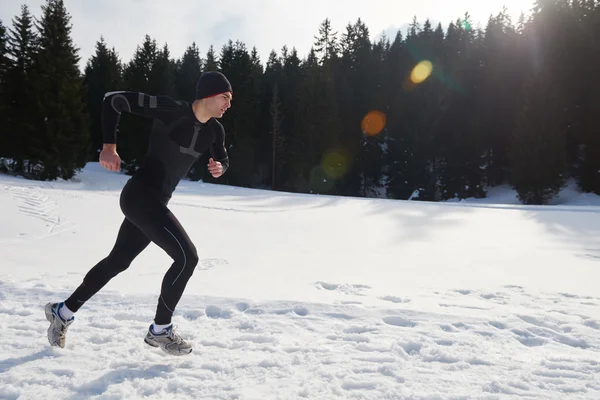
(180,134)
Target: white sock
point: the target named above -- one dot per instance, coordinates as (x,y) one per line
(159,328)
(65,313)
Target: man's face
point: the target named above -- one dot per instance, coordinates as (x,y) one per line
(219,104)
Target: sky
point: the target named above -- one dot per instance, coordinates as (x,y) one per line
(265,24)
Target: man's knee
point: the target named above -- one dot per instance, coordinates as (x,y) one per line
(192,257)
(191,260)
(187,256)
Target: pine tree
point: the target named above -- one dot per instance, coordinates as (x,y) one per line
(21,128)
(303,151)
(188,73)
(556,47)
(345,79)
(355,87)
(268,79)
(414,129)
(211,63)
(588,168)
(162,73)
(326,45)
(133,141)
(4,64)
(502,63)
(374,122)
(4,61)
(278,144)
(241,121)
(403,167)
(137,74)
(588,173)
(289,92)
(538,153)
(273,76)
(103,73)
(64,142)
(460,141)
(318,132)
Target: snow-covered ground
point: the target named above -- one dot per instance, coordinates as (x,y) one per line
(307,297)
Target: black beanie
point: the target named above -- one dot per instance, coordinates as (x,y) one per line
(212,83)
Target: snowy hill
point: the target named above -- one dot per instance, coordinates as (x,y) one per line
(307,297)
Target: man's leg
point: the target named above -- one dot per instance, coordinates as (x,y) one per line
(179,246)
(174,240)
(161,226)
(158,223)
(129,244)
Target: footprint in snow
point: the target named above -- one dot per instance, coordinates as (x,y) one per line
(514,287)
(209,263)
(394,299)
(527,338)
(345,288)
(448,328)
(349,303)
(359,329)
(339,316)
(592,324)
(500,298)
(464,292)
(497,324)
(299,310)
(462,306)
(397,320)
(217,312)
(193,314)
(548,329)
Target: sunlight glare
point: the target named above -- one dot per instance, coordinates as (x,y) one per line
(421,72)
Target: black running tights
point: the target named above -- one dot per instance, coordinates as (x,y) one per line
(147,219)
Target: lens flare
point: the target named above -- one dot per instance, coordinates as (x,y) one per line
(373,123)
(335,164)
(421,72)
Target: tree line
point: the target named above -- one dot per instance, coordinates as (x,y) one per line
(430,114)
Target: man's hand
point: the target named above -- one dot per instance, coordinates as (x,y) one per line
(215,168)
(109,158)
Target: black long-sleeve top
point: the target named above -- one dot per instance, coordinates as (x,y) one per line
(177,138)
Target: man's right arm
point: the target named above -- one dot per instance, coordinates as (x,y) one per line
(137,103)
